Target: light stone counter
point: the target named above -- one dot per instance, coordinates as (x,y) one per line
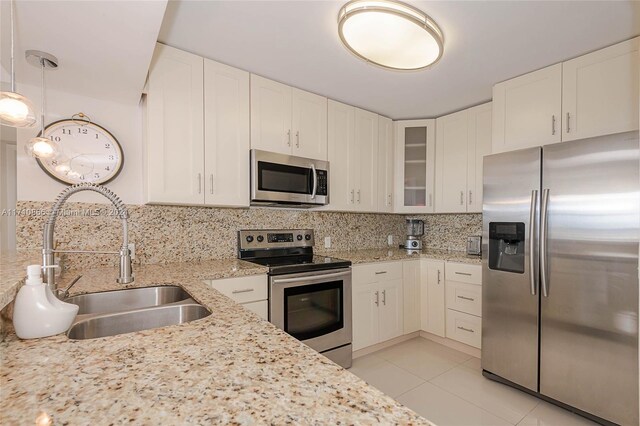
(386,255)
(231,367)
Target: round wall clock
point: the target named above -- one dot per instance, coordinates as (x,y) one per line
(87,152)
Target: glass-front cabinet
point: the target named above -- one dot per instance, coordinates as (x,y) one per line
(415,166)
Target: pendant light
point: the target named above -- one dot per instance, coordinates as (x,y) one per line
(390,34)
(40,146)
(15,109)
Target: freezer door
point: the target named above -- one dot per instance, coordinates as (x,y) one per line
(589,316)
(510,300)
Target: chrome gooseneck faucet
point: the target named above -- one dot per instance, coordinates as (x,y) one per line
(48,263)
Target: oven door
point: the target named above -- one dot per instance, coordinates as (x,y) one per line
(313,307)
(285,179)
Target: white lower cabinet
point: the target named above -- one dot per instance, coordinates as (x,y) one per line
(464,328)
(250,292)
(411,293)
(432,297)
(464,303)
(377,307)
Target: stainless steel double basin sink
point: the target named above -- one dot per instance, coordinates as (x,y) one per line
(124,311)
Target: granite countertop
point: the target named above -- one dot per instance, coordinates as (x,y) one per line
(390,254)
(230,367)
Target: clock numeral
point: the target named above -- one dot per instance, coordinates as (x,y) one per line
(66,131)
(112,157)
(55,138)
(82,177)
(97,135)
(107,168)
(107,145)
(83,131)
(54,162)
(96,175)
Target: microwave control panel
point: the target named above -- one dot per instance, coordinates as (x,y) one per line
(322,182)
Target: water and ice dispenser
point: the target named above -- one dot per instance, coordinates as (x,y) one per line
(506,246)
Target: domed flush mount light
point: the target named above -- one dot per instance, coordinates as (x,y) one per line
(390,34)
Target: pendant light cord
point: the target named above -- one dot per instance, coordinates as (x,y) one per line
(43,99)
(13,67)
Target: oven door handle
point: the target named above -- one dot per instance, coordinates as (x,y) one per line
(311,278)
(315,181)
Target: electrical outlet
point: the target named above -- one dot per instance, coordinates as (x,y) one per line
(390,240)
(327,242)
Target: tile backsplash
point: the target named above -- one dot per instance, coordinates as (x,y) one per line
(181,234)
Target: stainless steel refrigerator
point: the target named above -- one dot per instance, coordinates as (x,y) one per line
(561,232)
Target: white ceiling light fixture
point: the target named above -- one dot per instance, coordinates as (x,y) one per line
(390,34)
(40,146)
(15,109)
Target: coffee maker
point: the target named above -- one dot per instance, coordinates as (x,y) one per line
(415,231)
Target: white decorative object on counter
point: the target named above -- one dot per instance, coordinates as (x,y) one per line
(37,312)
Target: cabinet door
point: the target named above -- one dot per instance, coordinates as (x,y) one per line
(385,165)
(270,115)
(411,295)
(365,315)
(432,297)
(600,92)
(174,133)
(452,142)
(226,130)
(479,146)
(366,141)
(342,155)
(391,309)
(414,166)
(526,110)
(309,125)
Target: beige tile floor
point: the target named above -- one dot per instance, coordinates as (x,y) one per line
(447,387)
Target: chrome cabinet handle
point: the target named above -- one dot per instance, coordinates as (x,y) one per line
(289,137)
(377,299)
(468,330)
(245,290)
(315,181)
(211,183)
(543,242)
(199,183)
(553,124)
(352,195)
(298,139)
(438,276)
(532,237)
(390,197)
(470,197)
(381,272)
(463,273)
(568,126)
(461,197)
(384,297)
(358,196)
(466,298)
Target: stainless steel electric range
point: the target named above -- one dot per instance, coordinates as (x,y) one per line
(309,295)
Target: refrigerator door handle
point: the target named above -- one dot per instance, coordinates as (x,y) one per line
(543,242)
(532,239)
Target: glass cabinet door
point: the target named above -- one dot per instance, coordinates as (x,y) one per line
(416,159)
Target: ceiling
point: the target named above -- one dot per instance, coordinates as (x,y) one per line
(104,47)
(296,42)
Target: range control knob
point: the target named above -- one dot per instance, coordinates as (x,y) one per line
(307,237)
(249,238)
(414,244)
(260,238)
(299,237)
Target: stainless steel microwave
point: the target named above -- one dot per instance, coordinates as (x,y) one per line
(284,180)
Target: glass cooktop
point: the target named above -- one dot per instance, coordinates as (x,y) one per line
(300,263)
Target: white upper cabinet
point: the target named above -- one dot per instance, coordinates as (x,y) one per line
(527,109)
(452,142)
(271,115)
(414,166)
(287,120)
(600,92)
(226,135)
(343,171)
(309,125)
(366,155)
(385,165)
(479,128)
(174,128)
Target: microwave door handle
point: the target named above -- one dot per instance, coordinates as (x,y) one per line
(315,182)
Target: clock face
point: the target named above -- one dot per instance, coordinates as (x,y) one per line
(87,153)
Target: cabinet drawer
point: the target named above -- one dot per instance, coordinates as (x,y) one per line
(260,308)
(463,273)
(243,289)
(464,328)
(376,272)
(464,297)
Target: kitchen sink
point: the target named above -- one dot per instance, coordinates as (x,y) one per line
(136,320)
(127,300)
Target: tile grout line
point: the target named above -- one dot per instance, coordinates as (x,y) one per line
(529,412)
(415,387)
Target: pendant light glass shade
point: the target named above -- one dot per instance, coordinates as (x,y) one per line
(15,109)
(390,34)
(42,148)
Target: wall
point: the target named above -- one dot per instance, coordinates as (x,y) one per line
(449,231)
